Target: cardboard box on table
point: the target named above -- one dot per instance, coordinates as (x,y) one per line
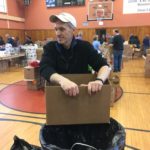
(34,84)
(31,72)
(147,62)
(32,76)
(114,80)
(148,51)
(62,109)
(147,66)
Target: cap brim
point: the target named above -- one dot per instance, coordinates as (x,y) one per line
(54,18)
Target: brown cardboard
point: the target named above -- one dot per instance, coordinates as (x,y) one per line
(147,72)
(148,51)
(39,53)
(147,62)
(31,72)
(34,85)
(82,109)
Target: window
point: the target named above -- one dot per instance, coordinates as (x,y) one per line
(61,3)
(3,7)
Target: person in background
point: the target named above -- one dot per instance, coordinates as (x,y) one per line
(117,42)
(96,44)
(10,40)
(136,41)
(131,39)
(103,39)
(68,55)
(146,43)
(17,41)
(1,41)
(79,36)
(28,40)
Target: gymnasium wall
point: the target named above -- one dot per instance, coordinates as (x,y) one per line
(40,16)
(88,33)
(39,27)
(13,22)
(34,20)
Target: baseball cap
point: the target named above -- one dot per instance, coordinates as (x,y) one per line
(64,17)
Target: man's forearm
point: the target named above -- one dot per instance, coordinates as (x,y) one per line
(57,78)
(103,73)
(69,87)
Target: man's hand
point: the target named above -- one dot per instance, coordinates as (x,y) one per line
(94,86)
(69,87)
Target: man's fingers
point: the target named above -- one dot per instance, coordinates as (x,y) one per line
(83,85)
(89,88)
(93,88)
(72,91)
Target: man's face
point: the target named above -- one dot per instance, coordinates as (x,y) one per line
(64,33)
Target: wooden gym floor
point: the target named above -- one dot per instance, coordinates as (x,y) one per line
(132,110)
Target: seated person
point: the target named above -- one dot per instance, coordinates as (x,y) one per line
(28,40)
(68,55)
(10,40)
(1,41)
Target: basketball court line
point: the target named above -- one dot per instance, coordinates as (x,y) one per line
(142,93)
(26,116)
(24,121)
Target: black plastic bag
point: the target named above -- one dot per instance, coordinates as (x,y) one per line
(109,136)
(20,144)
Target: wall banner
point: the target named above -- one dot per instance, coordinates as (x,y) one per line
(136,6)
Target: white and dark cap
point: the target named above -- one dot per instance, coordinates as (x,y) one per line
(64,17)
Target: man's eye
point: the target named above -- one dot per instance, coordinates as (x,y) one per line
(61,29)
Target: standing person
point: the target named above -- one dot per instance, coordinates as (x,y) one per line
(137,42)
(28,40)
(67,55)
(131,38)
(1,41)
(17,41)
(79,36)
(117,42)
(146,43)
(96,43)
(10,40)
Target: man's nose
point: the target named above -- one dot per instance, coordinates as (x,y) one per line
(58,32)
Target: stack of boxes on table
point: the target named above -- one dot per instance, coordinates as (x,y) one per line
(127,52)
(114,80)
(30,51)
(6,54)
(147,64)
(32,76)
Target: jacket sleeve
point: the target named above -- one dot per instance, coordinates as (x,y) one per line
(47,63)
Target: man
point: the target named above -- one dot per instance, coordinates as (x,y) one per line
(146,43)
(96,44)
(10,40)
(117,42)
(72,56)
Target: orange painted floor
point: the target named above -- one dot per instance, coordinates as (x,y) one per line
(16,96)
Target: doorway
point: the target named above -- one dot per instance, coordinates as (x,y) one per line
(101,35)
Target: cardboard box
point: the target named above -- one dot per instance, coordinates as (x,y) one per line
(148,51)
(34,85)
(147,72)
(147,62)
(39,53)
(31,72)
(82,109)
